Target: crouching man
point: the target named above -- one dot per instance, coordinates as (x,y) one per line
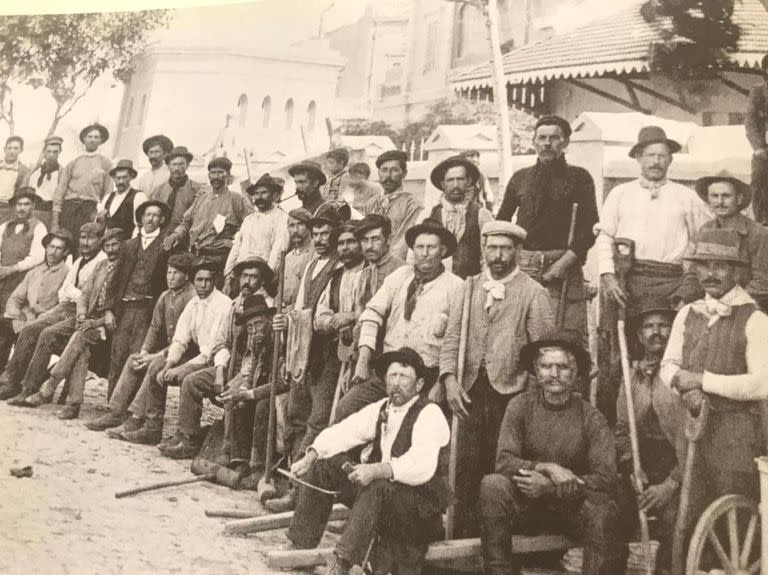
(555,466)
(398,493)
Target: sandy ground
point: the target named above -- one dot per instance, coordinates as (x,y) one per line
(65,519)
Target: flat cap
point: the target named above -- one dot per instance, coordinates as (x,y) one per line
(55,140)
(223,163)
(389,155)
(502,228)
(91,229)
(182,262)
(301,214)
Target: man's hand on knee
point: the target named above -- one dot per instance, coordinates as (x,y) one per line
(366,473)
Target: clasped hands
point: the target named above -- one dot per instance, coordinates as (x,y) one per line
(548,478)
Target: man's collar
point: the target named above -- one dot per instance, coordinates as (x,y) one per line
(91,154)
(265,212)
(152,235)
(382,260)
(454,206)
(506,279)
(10,166)
(737,296)
(405,407)
(649,184)
(358,267)
(58,266)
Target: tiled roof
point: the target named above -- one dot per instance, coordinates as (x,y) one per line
(616,44)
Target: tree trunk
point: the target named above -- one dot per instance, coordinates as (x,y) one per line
(57,116)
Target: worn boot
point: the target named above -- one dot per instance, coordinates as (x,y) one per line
(19,399)
(172,441)
(69,412)
(187,449)
(8,390)
(105,421)
(129,425)
(38,399)
(145,436)
(340,566)
(282,504)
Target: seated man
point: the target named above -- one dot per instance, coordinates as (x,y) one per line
(555,466)
(398,493)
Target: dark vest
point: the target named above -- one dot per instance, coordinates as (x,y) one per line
(140,284)
(313,288)
(124,218)
(436,491)
(466,260)
(16,246)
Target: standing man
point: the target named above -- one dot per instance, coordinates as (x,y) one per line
(481,191)
(178,192)
(462,217)
(83,183)
(374,232)
(396,203)
(756,126)
(298,257)
(716,354)
(12,173)
(336,162)
(542,196)
(727,196)
(209,226)
(118,209)
(507,311)
(44,178)
(156,148)
(37,293)
(308,177)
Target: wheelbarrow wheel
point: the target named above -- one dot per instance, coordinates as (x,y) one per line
(726,538)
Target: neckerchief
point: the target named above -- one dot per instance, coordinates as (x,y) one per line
(496,288)
(455,218)
(46,170)
(654,187)
(416,287)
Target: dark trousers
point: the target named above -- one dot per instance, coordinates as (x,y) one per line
(7,339)
(505,511)
(477,438)
(75,213)
(73,364)
(760,188)
(150,400)
(128,337)
(398,514)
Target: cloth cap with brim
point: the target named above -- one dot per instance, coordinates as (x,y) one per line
(326,215)
(267,275)
(221,163)
(373,222)
(433,227)
(439,171)
(341,155)
(182,262)
(253,306)
(565,341)
(166,209)
(561,123)
(301,214)
(55,140)
(88,129)
(404,356)
(744,190)
(62,234)
(265,181)
(502,228)
(311,168)
(645,307)
(25,192)
(159,140)
(718,245)
(179,152)
(91,229)
(203,263)
(118,233)
(124,165)
(652,135)
(390,155)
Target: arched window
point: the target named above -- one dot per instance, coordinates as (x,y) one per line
(266,111)
(242,110)
(470,31)
(311,115)
(289,114)
(142,108)
(129,113)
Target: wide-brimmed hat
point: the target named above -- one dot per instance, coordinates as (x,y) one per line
(163,141)
(95,126)
(566,341)
(718,245)
(124,165)
(341,155)
(162,205)
(25,192)
(63,234)
(265,181)
(308,166)
(373,222)
(182,262)
(434,227)
(405,356)
(326,214)
(267,275)
(652,135)
(438,172)
(179,152)
(253,306)
(390,155)
(503,228)
(744,190)
(553,120)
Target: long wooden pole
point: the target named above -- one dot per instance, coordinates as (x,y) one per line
(163,484)
(561,305)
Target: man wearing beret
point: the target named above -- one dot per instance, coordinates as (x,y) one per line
(156,148)
(507,310)
(118,208)
(83,183)
(178,192)
(396,203)
(12,172)
(542,196)
(211,223)
(756,127)
(308,177)
(44,178)
(336,162)
(461,216)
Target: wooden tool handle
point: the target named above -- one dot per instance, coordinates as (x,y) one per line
(161,485)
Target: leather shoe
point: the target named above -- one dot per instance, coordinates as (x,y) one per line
(172,441)
(184,450)
(131,424)
(105,422)
(69,412)
(8,390)
(143,436)
(282,504)
(18,400)
(37,399)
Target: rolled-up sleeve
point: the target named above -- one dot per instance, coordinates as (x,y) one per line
(673,355)
(357,429)
(430,434)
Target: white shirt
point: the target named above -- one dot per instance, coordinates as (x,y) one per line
(36,254)
(417,465)
(48,187)
(263,235)
(68,292)
(662,228)
(153,179)
(147,239)
(320,266)
(348,288)
(138,198)
(199,323)
(749,386)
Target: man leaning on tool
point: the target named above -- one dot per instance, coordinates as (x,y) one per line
(398,493)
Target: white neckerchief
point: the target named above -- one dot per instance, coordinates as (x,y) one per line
(147,239)
(496,288)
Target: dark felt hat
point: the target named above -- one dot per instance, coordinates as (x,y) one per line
(326,214)
(179,152)
(566,341)
(652,135)
(204,263)
(62,234)
(373,222)
(301,214)
(182,261)
(405,356)
(222,162)
(744,190)
(124,165)
(718,245)
(95,126)
(349,226)
(390,155)
(312,168)
(341,155)
(438,172)
(265,181)
(25,192)
(162,205)
(253,306)
(163,141)
(118,233)
(432,226)
(267,275)
(553,120)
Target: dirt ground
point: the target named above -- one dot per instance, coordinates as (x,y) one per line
(66,520)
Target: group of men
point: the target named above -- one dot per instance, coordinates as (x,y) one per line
(395,321)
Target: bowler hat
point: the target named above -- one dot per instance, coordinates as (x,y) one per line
(301,214)
(265,181)
(118,233)
(744,191)
(182,261)
(179,152)
(405,356)
(308,167)
(253,306)
(652,135)
(166,209)
(25,192)
(503,228)
(124,165)
(373,222)
(718,245)
(438,172)
(159,140)
(63,234)
(326,214)
(95,126)
(434,227)
(222,162)
(267,275)
(341,155)
(566,341)
(389,155)
(553,120)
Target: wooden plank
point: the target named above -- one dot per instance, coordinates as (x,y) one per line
(232,513)
(275,521)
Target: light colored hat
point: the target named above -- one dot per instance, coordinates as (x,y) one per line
(502,228)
